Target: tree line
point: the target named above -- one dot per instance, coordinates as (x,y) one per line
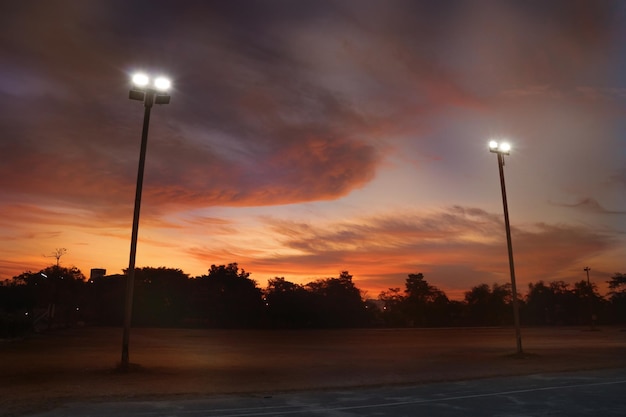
(226,297)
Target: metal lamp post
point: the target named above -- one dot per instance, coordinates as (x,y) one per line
(150,92)
(502,149)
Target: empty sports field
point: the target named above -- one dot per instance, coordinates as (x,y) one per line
(79,364)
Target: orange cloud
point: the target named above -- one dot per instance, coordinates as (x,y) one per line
(456,248)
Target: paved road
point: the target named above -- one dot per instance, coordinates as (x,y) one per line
(588,393)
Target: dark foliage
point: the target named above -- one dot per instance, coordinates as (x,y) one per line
(289,305)
(227,298)
(337,302)
(424,304)
(160,297)
(105,295)
(52,297)
(489,306)
(617,297)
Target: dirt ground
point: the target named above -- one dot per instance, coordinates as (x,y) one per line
(45,371)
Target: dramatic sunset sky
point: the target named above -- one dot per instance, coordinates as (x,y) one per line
(304,138)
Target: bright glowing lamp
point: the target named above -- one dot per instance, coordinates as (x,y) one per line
(162,84)
(499,147)
(140,79)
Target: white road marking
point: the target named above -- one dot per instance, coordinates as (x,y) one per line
(308,408)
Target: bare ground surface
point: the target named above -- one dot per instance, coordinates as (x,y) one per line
(45,371)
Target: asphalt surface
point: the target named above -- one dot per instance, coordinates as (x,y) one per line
(583,393)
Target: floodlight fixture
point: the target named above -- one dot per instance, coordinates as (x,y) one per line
(162,83)
(162,99)
(140,79)
(503,148)
(136,94)
(150,90)
(144,81)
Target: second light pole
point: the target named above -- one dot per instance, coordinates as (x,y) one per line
(502,149)
(150,92)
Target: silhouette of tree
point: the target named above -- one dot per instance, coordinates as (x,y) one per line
(440,311)
(489,306)
(539,308)
(617,298)
(617,284)
(16,307)
(289,305)
(565,305)
(338,302)
(424,304)
(393,308)
(589,302)
(228,298)
(58,252)
(105,300)
(55,290)
(418,289)
(161,296)
(26,298)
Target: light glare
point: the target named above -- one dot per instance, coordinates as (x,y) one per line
(162,83)
(499,147)
(140,79)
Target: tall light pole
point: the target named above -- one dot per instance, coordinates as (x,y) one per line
(502,149)
(150,92)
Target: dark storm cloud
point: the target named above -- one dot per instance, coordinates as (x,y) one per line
(251,120)
(591,205)
(246,125)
